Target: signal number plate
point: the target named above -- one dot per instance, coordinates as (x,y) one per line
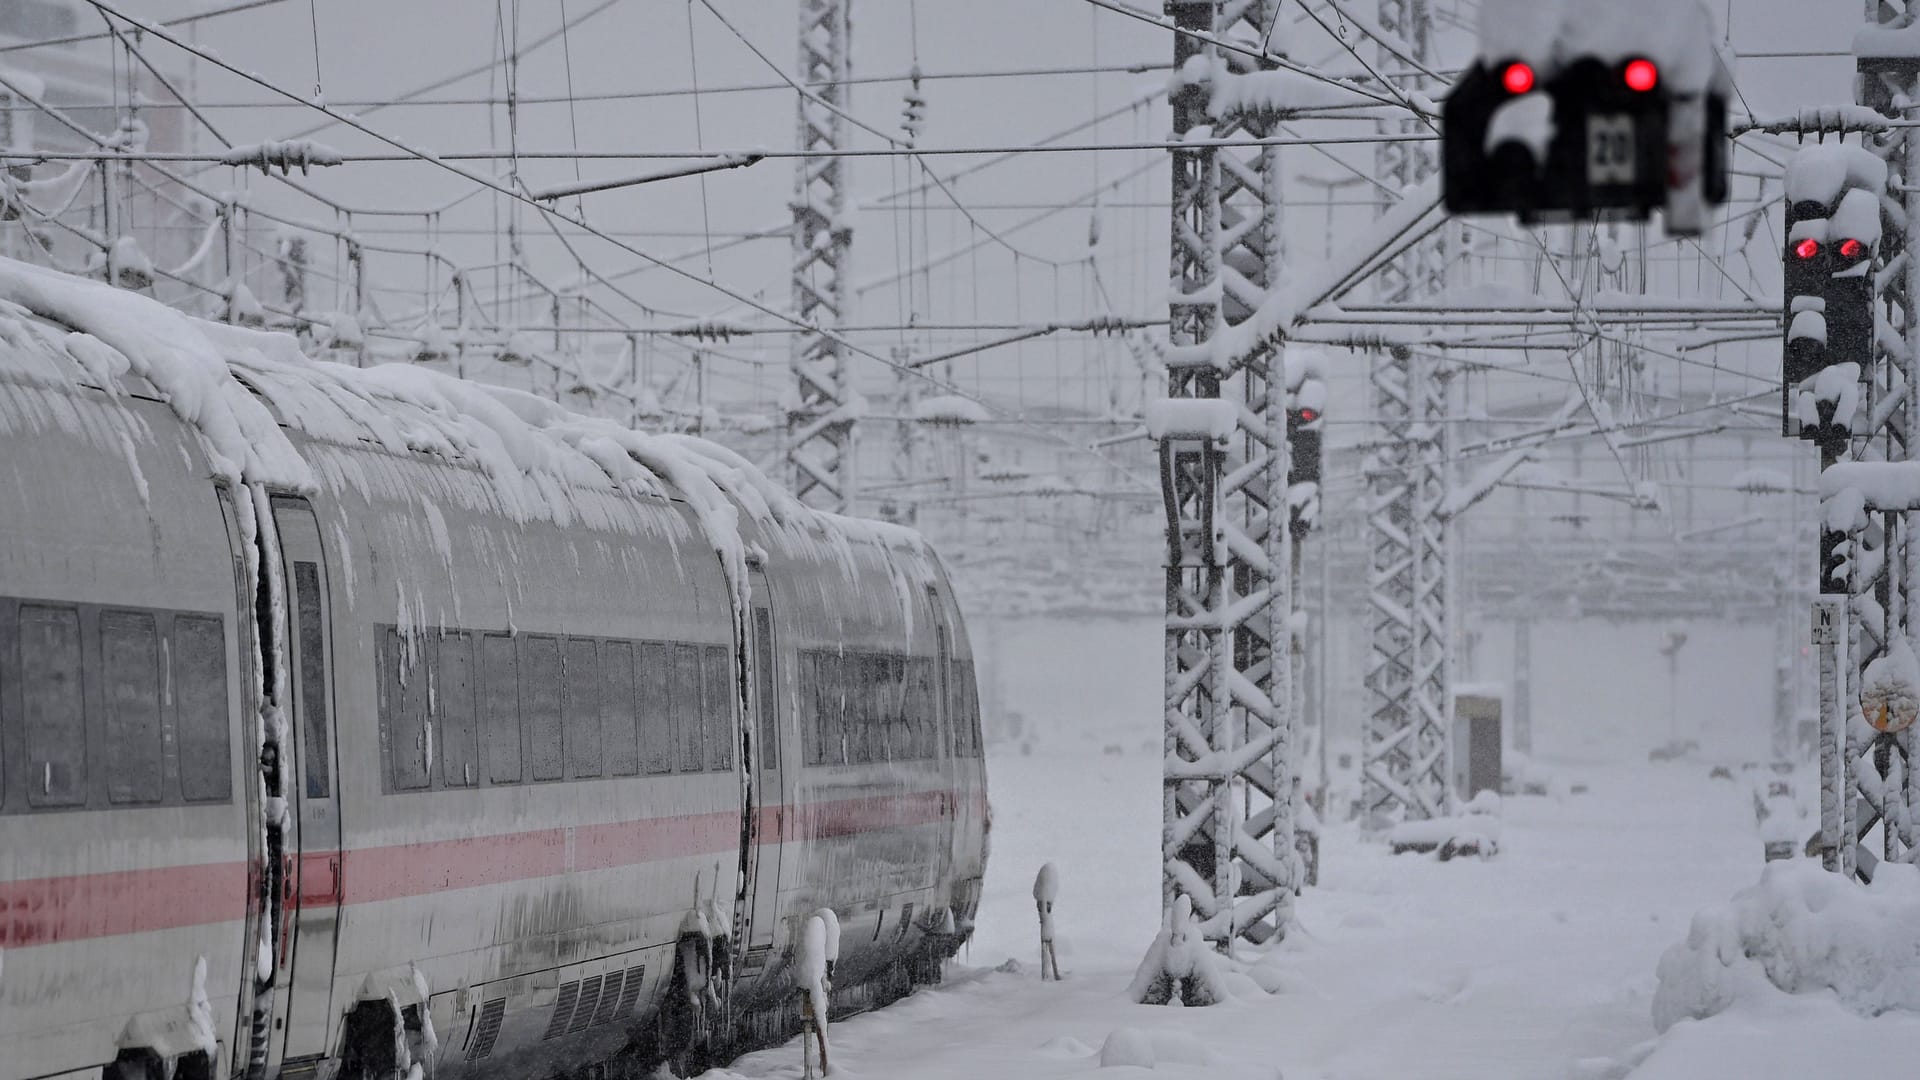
(1610,146)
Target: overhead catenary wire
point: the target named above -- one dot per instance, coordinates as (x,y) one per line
(553,212)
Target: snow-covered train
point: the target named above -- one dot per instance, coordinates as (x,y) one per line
(357,719)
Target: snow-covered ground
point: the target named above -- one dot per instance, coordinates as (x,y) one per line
(1538,964)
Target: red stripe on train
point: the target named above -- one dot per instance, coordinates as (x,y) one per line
(44,911)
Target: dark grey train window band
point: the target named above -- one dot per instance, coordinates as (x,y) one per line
(112,706)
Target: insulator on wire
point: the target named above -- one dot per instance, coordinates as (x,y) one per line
(913,114)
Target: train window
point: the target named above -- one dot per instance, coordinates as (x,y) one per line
(404,715)
(971,690)
(868,723)
(583,708)
(540,704)
(654,702)
(922,713)
(691,755)
(200,696)
(765,693)
(130,690)
(807,675)
(897,735)
(313,679)
(453,711)
(956,711)
(618,704)
(832,699)
(500,667)
(50,703)
(717,676)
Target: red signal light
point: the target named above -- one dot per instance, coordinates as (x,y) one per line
(1308,416)
(1852,249)
(1641,75)
(1807,249)
(1517,78)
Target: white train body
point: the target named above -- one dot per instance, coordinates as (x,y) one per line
(361,727)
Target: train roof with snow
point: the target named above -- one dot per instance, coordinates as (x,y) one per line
(254,398)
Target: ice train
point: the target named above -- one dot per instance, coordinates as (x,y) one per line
(357,720)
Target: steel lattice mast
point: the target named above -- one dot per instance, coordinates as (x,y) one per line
(1228,827)
(1867,780)
(1408,667)
(819,445)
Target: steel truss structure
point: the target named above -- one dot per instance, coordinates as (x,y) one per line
(1870,800)
(1228,835)
(1409,663)
(819,443)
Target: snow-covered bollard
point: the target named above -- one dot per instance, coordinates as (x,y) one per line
(810,982)
(1179,963)
(1046,887)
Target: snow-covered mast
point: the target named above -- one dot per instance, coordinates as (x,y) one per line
(819,444)
(1227,840)
(1864,772)
(1408,665)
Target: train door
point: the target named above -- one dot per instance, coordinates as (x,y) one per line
(314,877)
(769,787)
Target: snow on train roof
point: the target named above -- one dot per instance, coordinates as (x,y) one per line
(235,386)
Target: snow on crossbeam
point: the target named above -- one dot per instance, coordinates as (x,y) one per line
(1885,485)
(1192,418)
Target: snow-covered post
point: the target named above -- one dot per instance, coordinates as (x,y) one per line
(1223,459)
(819,442)
(1046,887)
(810,983)
(1178,965)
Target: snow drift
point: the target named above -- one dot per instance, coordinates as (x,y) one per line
(1800,930)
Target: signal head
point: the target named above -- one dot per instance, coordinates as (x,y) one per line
(1640,75)
(1517,78)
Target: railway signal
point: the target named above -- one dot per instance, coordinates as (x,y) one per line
(1617,135)
(1832,238)
(1303,473)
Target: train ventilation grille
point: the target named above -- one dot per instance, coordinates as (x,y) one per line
(599,999)
(563,1009)
(488,1030)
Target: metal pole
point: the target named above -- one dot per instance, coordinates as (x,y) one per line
(819,438)
(1228,832)
(1408,666)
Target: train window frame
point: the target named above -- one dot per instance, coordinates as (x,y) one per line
(405,673)
(719,693)
(620,707)
(549,691)
(40,796)
(580,709)
(310,631)
(503,704)
(458,728)
(766,688)
(836,748)
(653,683)
(202,759)
(130,685)
(689,730)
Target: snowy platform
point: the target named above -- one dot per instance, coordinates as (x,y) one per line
(1538,965)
